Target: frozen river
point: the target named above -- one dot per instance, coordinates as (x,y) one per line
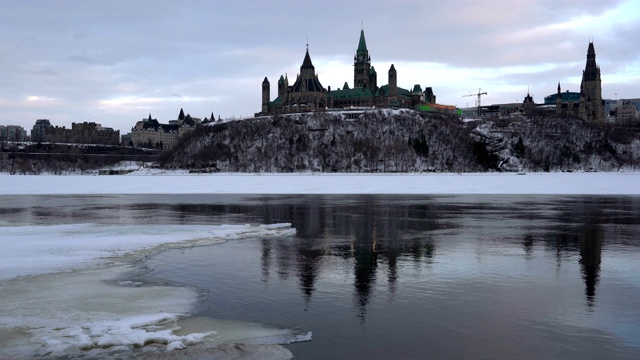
(326,276)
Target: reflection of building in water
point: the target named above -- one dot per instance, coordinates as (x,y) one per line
(369,236)
(590,253)
(265,260)
(585,239)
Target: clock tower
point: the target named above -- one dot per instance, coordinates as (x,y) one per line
(361,65)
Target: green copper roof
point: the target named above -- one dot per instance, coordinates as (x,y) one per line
(385,90)
(346,86)
(354,93)
(362,45)
(277,101)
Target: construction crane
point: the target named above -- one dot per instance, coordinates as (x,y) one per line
(479,95)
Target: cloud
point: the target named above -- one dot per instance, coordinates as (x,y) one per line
(115,61)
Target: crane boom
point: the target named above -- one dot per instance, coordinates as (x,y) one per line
(479,95)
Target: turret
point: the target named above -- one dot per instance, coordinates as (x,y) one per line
(266,88)
(281,86)
(559,102)
(393,82)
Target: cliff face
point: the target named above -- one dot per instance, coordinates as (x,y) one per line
(402,141)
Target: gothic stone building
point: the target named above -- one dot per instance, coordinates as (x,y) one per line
(589,105)
(150,133)
(308,94)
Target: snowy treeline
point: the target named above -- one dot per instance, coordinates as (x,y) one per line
(29,158)
(379,141)
(552,144)
(403,141)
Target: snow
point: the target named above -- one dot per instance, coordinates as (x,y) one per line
(35,250)
(154,181)
(61,293)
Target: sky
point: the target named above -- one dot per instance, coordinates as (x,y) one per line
(115,62)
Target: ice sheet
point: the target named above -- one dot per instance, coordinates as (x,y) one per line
(34,250)
(151,181)
(54,301)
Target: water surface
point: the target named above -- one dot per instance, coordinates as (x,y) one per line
(407,277)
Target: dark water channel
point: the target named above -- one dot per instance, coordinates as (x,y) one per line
(404,277)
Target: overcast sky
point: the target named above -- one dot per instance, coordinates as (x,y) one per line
(114,62)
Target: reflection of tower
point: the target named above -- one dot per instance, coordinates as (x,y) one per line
(365,266)
(365,262)
(590,254)
(283,259)
(308,260)
(527,242)
(392,276)
(265,259)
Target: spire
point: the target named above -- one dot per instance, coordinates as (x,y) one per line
(591,52)
(591,70)
(306,64)
(181,116)
(149,116)
(362,44)
(559,93)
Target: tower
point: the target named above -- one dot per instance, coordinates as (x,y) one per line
(393,85)
(266,88)
(361,64)
(592,88)
(281,87)
(528,104)
(559,102)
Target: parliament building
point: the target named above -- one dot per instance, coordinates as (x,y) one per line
(307,93)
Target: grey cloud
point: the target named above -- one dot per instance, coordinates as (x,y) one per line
(218,52)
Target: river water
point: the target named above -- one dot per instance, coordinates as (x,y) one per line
(410,277)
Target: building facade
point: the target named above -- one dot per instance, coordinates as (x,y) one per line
(83,133)
(39,130)
(150,133)
(627,113)
(13,133)
(308,94)
(589,105)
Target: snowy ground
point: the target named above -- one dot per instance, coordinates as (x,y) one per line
(153,181)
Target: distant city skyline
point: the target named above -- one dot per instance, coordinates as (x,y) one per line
(115,62)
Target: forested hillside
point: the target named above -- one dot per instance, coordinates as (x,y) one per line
(403,141)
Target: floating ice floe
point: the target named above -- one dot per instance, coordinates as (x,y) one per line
(69,294)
